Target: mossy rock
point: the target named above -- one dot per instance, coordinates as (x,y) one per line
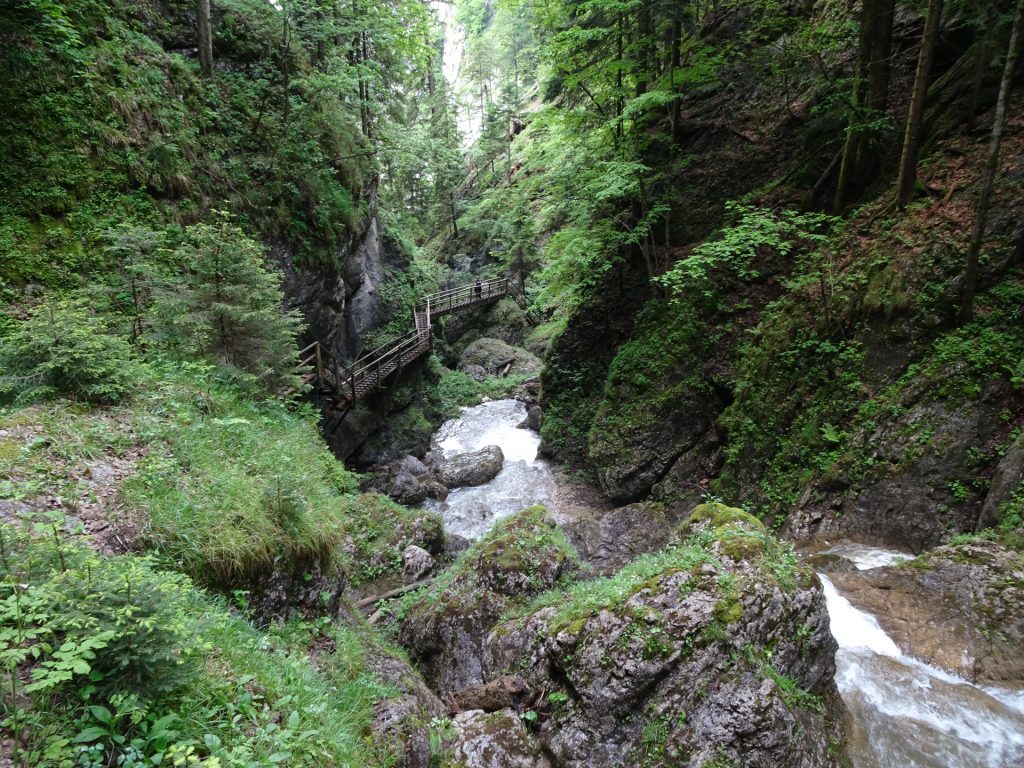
(444,627)
(494,355)
(720,519)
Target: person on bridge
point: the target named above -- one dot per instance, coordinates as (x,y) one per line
(478,289)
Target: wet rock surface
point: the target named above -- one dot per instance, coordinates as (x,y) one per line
(444,627)
(532,420)
(959,607)
(471,468)
(719,651)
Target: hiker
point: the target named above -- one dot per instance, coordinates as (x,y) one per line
(478,289)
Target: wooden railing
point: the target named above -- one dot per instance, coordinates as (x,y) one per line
(370,370)
(454,299)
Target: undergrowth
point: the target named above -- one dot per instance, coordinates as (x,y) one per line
(116,661)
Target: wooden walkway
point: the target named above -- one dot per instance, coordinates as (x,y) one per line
(369,372)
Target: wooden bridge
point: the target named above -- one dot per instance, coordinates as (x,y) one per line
(366,377)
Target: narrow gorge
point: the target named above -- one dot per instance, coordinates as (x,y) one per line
(502,384)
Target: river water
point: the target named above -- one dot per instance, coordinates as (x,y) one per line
(908,714)
(524,479)
(903,712)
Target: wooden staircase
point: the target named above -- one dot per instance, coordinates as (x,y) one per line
(350,385)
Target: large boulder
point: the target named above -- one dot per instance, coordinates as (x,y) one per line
(496,357)
(959,607)
(472,468)
(408,481)
(716,650)
(609,539)
(444,626)
(494,740)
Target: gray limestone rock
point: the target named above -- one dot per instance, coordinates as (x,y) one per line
(685,659)
(417,563)
(494,740)
(958,607)
(472,468)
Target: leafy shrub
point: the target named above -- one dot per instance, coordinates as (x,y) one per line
(100,663)
(116,623)
(757,232)
(64,348)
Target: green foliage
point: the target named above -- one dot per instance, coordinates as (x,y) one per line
(129,665)
(65,347)
(756,236)
(226,307)
(231,486)
(112,626)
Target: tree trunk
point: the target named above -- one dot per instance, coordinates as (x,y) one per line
(912,137)
(879,66)
(981,64)
(674,62)
(205,37)
(998,123)
(870,91)
(646,48)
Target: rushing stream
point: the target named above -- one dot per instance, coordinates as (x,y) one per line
(904,713)
(524,479)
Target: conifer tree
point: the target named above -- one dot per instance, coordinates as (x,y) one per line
(227,307)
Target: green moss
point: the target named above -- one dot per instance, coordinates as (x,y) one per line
(520,557)
(719,518)
(10,452)
(581,601)
(728,609)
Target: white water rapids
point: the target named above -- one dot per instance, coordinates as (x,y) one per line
(903,713)
(524,479)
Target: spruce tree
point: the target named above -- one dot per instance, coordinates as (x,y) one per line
(227,307)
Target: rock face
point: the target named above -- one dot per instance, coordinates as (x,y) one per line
(495,740)
(960,607)
(402,720)
(714,650)
(495,356)
(500,693)
(908,497)
(472,468)
(632,456)
(444,627)
(1007,480)
(340,303)
(505,321)
(609,539)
